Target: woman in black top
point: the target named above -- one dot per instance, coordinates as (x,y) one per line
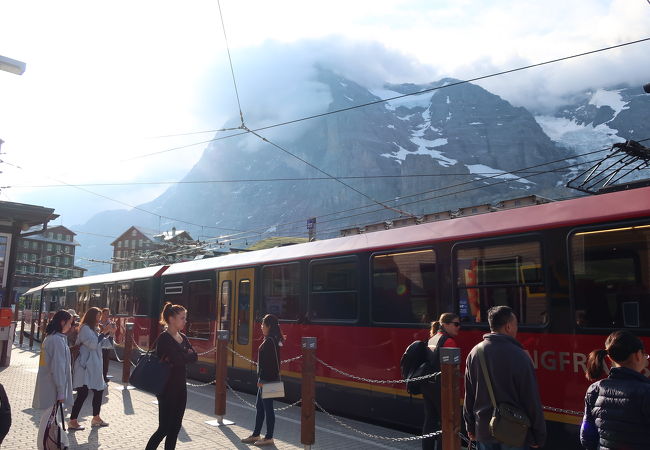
(173,347)
(268,369)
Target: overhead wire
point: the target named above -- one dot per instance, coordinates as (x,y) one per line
(257,231)
(397,97)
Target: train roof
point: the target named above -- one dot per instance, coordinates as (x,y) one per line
(147,272)
(606,207)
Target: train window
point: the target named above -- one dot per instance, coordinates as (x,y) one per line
(333,290)
(124,299)
(243,311)
(505,274)
(97,298)
(199,308)
(175,288)
(71,300)
(226,301)
(403,287)
(141,296)
(611,277)
(281,290)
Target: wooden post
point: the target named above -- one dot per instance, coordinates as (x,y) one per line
(128,347)
(22,328)
(221,373)
(308,393)
(31,332)
(450,390)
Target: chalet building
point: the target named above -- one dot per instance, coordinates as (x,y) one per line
(137,248)
(46,256)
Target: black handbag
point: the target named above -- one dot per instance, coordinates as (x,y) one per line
(150,373)
(509,424)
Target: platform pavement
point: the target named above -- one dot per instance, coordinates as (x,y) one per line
(133,417)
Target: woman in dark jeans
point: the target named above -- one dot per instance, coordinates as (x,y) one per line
(268,369)
(173,347)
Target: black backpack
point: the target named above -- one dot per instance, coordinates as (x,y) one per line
(418,361)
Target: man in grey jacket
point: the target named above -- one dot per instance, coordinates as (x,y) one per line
(513,381)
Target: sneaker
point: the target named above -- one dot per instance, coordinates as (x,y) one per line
(263,442)
(251,439)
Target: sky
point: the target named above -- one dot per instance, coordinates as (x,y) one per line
(105,81)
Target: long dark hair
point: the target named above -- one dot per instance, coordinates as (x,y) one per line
(619,346)
(91,317)
(273,323)
(170,310)
(54,325)
(444,318)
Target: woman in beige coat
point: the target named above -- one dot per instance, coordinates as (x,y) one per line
(54,379)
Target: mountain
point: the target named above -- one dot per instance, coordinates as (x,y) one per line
(463,138)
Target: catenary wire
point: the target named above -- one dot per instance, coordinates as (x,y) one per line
(232,71)
(423,91)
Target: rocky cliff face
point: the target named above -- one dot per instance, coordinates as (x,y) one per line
(453,145)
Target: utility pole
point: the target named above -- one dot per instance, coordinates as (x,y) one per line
(311,228)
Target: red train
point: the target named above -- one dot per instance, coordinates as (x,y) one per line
(573,271)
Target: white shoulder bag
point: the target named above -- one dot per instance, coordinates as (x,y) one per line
(274,389)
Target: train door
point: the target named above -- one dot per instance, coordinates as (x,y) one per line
(236,301)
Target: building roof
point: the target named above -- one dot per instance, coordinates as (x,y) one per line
(28,215)
(166,236)
(147,234)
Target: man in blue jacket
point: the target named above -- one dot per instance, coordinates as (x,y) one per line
(513,381)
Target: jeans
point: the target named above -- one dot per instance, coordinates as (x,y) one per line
(498,446)
(264,408)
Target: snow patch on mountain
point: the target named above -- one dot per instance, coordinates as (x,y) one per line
(410,102)
(482,169)
(575,136)
(425,147)
(612,99)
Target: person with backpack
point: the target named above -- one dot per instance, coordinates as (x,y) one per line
(442,334)
(617,408)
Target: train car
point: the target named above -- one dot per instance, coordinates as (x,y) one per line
(573,271)
(132,296)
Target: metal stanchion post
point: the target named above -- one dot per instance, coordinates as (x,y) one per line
(308,393)
(22,328)
(221,373)
(450,390)
(31,333)
(126,363)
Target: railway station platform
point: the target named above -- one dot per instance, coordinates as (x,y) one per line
(133,417)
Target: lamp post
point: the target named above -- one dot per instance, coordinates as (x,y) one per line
(12,65)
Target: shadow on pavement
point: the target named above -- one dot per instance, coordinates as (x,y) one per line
(236,440)
(128,403)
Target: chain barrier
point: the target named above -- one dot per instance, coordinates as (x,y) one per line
(200,384)
(250,361)
(562,411)
(209,351)
(250,405)
(140,349)
(121,361)
(374,436)
(369,380)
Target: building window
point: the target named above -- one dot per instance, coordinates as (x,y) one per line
(48,259)
(281,290)
(134,233)
(25,244)
(133,243)
(58,248)
(59,237)
(140,242)
(126,243)
(33,257)
(403,287)
(57,261)
(34,245)
(495,275)
(32,269)
(333,290)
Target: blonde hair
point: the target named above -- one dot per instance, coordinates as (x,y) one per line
(447,317)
